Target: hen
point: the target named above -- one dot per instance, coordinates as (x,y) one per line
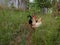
(33,22)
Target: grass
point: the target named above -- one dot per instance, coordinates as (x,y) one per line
(46,34)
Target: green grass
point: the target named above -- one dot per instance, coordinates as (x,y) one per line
(46,34)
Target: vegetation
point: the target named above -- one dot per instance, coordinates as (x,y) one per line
(14,24)
(47,34)
(44,3)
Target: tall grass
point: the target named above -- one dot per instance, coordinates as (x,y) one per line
(46,34)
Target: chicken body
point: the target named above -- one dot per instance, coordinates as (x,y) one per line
(38,23)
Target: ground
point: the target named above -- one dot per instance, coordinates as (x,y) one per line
(14,29)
